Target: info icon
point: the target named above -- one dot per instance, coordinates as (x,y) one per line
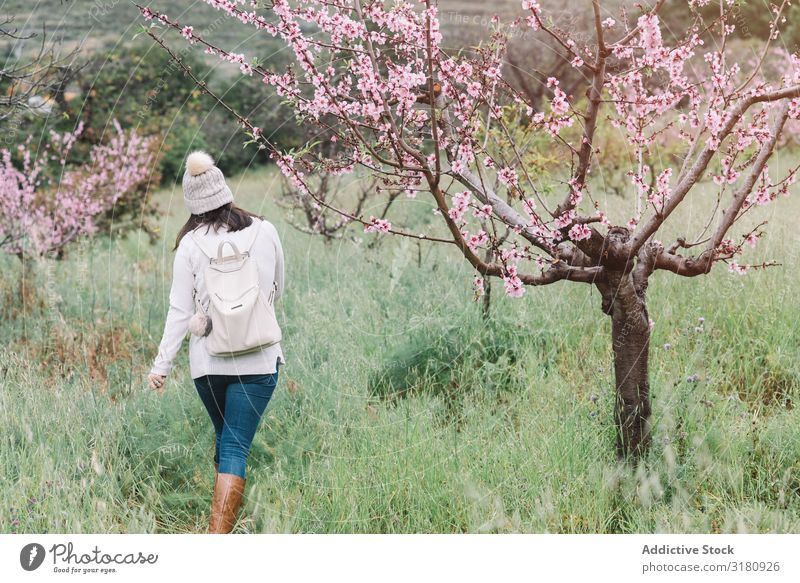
(31,556)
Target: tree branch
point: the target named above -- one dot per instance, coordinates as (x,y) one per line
(698,168)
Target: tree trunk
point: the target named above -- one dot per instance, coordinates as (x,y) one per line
(26,284)
(487,281)
(630,332)
(487,297)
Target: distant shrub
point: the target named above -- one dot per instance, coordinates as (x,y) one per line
(473,354)
(225,139)
(144,90)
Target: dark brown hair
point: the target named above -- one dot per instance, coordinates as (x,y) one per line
(229,214)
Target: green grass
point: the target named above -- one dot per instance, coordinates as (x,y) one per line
(400,409)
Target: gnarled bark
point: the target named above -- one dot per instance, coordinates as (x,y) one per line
(624,293)
(630,333)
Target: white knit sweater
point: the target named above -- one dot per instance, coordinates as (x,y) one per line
(187,274)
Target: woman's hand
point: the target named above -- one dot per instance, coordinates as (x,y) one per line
(156,382)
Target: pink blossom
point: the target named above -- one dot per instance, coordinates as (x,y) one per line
(650,36)
(734,267)
(475,241)
(579,232)
(533,20)
(728,174)
(187,33)
(377,225)
(559,104)
(483,212)
(565,219)
(661,191)
(513,284)
(508,177)
(460,204)
(529,206)
(794,108)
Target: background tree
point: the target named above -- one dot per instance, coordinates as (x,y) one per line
(41,166)
(45,204)
(306,215)
(30,83)
(377,78)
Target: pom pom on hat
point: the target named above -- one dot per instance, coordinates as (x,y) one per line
(204,186)
(198,162)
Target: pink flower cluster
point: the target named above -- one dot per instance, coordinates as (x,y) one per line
(377,225)
(43,208)
(508,177)
(460,205)
(579,232)
(512,283)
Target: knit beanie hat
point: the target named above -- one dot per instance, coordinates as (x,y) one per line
(204,187)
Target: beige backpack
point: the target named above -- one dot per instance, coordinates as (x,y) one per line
(240,316)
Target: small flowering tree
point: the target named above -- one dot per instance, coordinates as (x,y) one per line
(45,204)
(375,77)
(308,216)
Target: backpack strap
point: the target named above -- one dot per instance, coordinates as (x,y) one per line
(199,244)
(213,255)
(255,237)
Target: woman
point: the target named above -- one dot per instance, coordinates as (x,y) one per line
(235,390)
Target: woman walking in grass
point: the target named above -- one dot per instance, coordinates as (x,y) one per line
(234,389)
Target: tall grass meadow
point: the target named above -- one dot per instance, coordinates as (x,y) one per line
(401,408)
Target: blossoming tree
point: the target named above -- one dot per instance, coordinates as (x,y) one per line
(45,203)
(375,78)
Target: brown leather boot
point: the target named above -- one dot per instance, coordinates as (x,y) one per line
(228,492)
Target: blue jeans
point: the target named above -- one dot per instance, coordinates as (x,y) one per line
(235,405)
